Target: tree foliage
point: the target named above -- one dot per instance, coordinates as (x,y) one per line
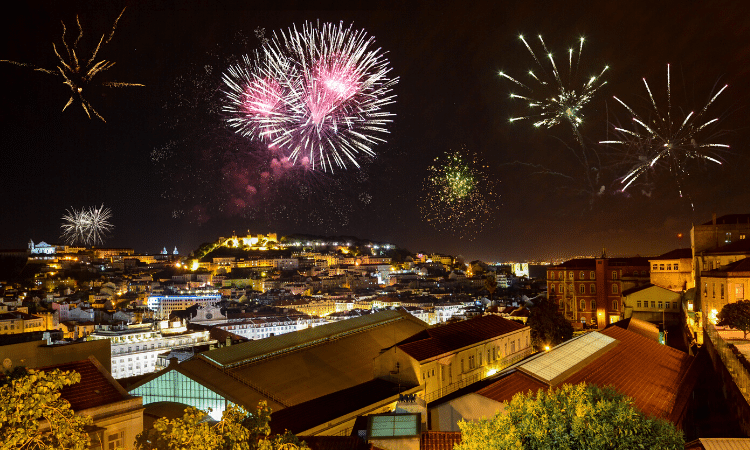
(548,325)
(571,417)
(490,283)
(237,430)
(33,415)
(736,315)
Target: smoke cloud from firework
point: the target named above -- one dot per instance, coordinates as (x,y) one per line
(86,226)
(663,140)
(317,94)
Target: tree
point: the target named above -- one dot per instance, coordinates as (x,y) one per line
(34,416)
(548,326)
(237,430)
(736,315)
(571,417)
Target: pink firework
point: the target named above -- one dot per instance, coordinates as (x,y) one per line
(255,99)
(317,94)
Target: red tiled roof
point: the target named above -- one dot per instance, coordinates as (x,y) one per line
(640,368)
(505,388)
(96,387)
(446,338)
(439,440)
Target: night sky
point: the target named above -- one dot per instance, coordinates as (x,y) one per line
(167,165)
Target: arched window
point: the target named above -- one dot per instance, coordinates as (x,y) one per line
(614,305)
(615,289)
(582,275)
(582,289)
(592,289)
(552,288)
(593,305)
(583,305)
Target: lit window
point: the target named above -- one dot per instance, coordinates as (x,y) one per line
(582,275)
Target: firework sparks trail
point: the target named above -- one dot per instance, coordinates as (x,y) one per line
(78,73)
(560,97)
(457,195)
(663,140)
(318,93)
(87,226)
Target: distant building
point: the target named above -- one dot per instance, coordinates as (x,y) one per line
(589,290)
(135,350)
(163,305)
(520,269)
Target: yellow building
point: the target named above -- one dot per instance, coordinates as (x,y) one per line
(724,285)
(15,322)
(446,358)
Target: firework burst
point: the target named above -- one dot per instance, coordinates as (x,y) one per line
(79,74)
(457,195)
(318,94)
(556,96)
(87,226)
(666,141)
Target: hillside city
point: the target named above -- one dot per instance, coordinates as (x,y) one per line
(360,344)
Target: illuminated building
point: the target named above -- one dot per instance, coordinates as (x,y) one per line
(16,322)
(448,357)
(163,305)
(724,285)
(135,350)
(589,290)
(673,270)
(653,304)
(520,269)
(284,371)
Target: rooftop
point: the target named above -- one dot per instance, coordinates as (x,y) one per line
(679,253)
(276,345)
(96,388)
(730,219)
(436,341)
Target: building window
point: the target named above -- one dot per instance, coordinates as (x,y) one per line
(582,275)
(552,289)
(582,289)
(638,304)
(583,305)
(592,275)
(615,289)
(721,287)
(653,304)
(661,266)
(614,305)
(559,275)
(592,289)
(739,291)
(713,290)
(570,275)
(116,440)
(654,267)
(659,305)
(614,274)
(669,266)
(593,305)
(676,267)
(635,273)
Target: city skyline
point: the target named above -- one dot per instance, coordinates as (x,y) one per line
(165,162)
